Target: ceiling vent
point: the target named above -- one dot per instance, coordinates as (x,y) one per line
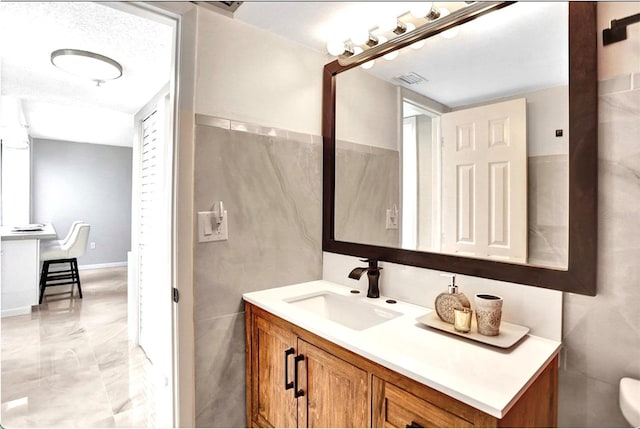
(410,78)
(220,6)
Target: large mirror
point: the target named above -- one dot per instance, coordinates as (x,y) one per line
(472,151)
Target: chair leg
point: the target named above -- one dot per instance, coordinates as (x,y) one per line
(43,279)
(77,274)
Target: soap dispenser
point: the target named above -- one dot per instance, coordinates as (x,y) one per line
(447,301)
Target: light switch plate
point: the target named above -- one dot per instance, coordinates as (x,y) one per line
(218,232)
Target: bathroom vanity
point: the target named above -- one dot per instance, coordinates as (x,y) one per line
(310,363)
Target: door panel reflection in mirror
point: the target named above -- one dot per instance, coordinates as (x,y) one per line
(485,181)
(385,153)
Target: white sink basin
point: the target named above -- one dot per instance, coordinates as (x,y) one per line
(350,311)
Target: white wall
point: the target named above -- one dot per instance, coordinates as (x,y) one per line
(254,76)
(88,182)
(538,309)
(16,185)
(367,110)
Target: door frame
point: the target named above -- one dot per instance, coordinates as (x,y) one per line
(183,16)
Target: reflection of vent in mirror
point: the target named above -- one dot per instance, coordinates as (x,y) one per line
(410,78)
(227,6)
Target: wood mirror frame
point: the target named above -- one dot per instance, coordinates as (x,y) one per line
(580,275)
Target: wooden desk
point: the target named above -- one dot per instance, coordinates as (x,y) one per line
(21,268)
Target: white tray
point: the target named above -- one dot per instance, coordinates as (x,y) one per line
(508,336)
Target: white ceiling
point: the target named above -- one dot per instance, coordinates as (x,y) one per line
(60,106)
(520,48)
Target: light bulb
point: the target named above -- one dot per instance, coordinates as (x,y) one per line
(335,47)
(368,64)
(417,45)
(421,10)
(410,27)
(391,55)
(357,50)
(388,24)
(360,36)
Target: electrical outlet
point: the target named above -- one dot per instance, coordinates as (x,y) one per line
(209,230)
(92,245)
(392,219)
(221,231)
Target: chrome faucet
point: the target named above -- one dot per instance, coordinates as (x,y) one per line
(373,272)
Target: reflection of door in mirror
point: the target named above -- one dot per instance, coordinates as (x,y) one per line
(480,166)
(484,173)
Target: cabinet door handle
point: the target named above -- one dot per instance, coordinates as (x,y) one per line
(414,425)
(297,392)
(287,384)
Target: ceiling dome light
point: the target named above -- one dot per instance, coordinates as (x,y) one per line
(86,64)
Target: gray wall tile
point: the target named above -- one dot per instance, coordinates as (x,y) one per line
(602,333)
(220,372)
(272,190)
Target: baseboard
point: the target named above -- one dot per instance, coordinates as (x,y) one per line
(98,266)
(15,311)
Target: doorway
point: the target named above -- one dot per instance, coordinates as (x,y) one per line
(164,377)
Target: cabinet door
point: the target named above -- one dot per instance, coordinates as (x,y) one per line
(396,408)
(335,393)
(273,405)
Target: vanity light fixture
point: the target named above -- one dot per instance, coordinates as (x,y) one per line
(90,65)
(432,27)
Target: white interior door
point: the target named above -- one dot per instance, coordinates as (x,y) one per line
(152,247)
(484,172)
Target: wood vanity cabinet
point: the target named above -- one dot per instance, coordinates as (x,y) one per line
(318,390)
(338,388)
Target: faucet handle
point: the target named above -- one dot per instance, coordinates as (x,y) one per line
(373,263)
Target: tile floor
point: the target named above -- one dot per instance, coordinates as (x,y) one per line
(69,363)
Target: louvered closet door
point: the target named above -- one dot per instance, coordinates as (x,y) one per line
(149,232)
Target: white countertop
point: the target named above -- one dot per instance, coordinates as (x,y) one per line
(48,232)
(487,378)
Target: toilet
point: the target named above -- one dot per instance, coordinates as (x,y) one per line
(630,400)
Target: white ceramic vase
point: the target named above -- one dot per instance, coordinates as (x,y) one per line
(488,313)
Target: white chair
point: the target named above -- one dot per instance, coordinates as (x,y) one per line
(57,243)
(67,252)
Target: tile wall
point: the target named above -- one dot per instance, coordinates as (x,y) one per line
(367,185)
(271,184)
(602,333)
